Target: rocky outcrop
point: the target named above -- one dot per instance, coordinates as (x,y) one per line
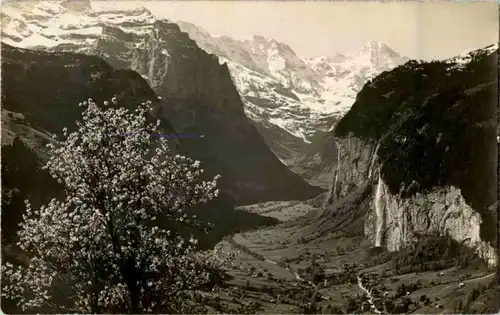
(424,136)
(397,222)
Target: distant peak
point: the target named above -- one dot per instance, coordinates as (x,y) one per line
(262,39)
(191,25)
(491,48)
(266,41)
(259,39)
(337,57)
(374,45)
(374,48)
(141,10)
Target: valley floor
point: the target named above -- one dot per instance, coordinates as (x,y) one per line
(267,269)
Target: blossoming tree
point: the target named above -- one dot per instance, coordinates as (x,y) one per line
(99,250)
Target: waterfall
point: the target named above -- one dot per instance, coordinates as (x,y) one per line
(332,192)
(379,211)
(335,182)
(374,157)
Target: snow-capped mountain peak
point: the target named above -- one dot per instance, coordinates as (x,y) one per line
(300,96)
(260,39)
(464,58)
(275,84)
(373,47)
(378,55)
(51,23)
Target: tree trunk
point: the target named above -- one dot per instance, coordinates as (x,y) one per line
(132,279)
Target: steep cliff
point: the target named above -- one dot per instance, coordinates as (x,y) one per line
(424,136)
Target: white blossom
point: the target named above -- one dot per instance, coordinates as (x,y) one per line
(80,247)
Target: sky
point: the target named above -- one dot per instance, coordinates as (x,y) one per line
(420,30)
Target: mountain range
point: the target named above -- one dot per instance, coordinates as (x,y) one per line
(292,101)
(295,101)
(299,95)
(198,95)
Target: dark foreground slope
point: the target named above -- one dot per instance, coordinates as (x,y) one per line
(40,96)
(47,87)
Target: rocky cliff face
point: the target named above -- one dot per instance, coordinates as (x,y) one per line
(424,136)
(299,95)
(444,210)
(354,165)
(45,88)
(199,97)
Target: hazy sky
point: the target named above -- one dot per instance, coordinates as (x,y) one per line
(422,30)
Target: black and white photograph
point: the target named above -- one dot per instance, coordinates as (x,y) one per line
(249,157)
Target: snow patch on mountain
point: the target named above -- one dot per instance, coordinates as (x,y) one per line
(50,23)
(464,58)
